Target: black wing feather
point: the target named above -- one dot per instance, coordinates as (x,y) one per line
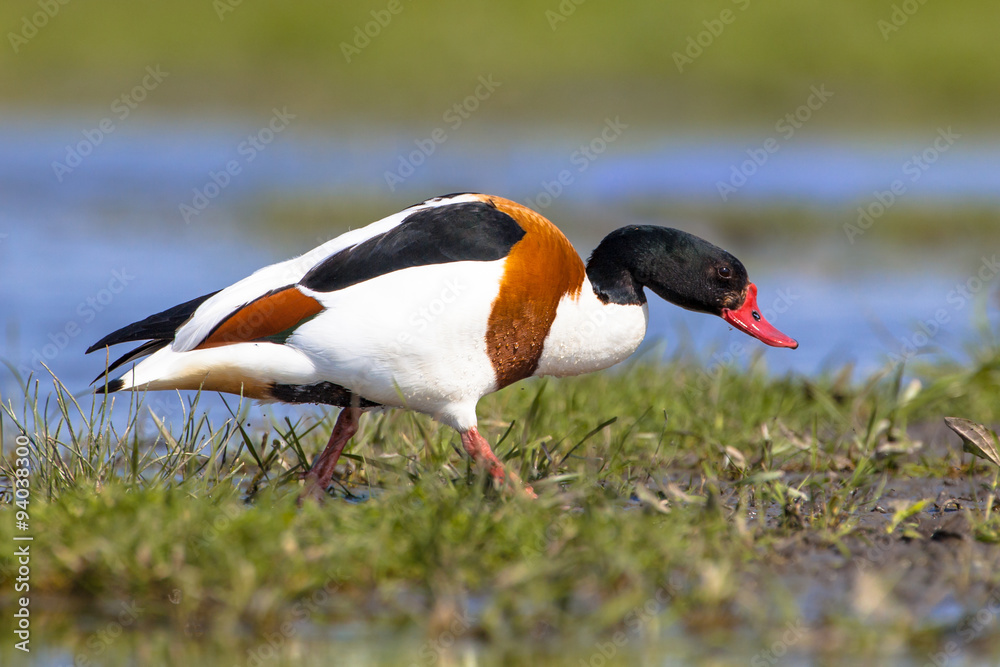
(161,326)
(149,347)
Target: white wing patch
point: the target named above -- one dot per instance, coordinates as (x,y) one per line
(216,309)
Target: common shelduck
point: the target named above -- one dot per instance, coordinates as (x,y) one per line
(430,309)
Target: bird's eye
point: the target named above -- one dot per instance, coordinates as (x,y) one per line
(725,272)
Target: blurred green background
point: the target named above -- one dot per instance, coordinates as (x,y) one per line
(558,61)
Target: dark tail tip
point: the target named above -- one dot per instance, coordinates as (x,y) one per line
(114,385)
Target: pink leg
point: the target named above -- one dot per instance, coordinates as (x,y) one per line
(480,451)
(319,476)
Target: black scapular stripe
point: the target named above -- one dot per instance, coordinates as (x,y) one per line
(161,326)
(472,231)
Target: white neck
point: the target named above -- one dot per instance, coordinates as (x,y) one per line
(588,335)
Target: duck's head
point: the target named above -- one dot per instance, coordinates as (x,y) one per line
(683,269)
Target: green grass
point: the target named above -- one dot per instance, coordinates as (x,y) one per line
(672,503)
(603,59)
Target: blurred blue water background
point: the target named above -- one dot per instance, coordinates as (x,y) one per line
(84,252)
